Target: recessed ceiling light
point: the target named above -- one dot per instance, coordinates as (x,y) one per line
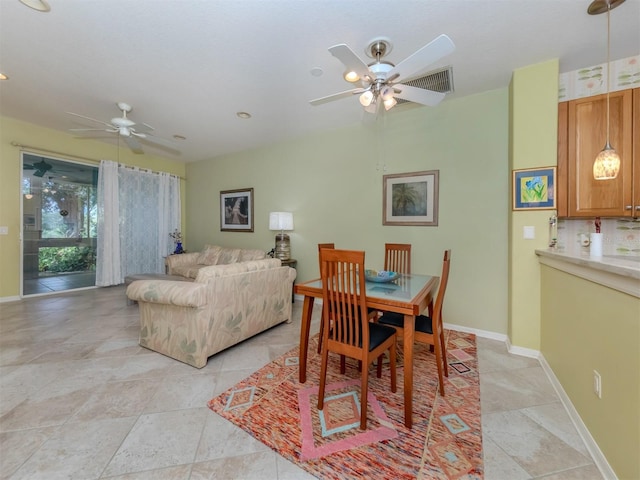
(3,77)
(316,71)
(39,5)
(243,115)
(179,137)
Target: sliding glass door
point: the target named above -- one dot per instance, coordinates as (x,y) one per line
(59,224)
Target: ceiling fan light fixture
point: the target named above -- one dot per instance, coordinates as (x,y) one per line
(389,103)
(125,132)
(366,98)
(351,76)
(372,108)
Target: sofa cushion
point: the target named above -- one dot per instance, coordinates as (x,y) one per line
(209,255)
(215,255)
(189,271)
(216,271)
(247,254)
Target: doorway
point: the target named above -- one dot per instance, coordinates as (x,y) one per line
(59,227)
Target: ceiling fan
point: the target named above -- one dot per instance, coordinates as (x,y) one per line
(380,80)
(40,168)
(126,128)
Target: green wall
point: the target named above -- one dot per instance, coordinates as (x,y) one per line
(332,182)
(533,143)
(587,327)
(12,130)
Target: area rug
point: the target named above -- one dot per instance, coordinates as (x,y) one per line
(444,443)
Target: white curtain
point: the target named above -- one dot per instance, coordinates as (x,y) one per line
(137,212)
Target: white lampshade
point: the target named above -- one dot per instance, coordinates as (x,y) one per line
(281,221)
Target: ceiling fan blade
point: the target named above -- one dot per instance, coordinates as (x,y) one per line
(418,95)
(91,119)
(133,143)
(430,53)
(143,128)
(350,60)
(153,139)
(90,130)
(336,96)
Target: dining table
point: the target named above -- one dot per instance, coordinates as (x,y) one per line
(409,294)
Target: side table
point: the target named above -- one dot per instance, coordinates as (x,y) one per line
(293,263)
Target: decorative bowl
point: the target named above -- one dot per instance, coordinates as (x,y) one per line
(380,276)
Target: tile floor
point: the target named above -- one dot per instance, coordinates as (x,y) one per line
(57,283)
(80,399)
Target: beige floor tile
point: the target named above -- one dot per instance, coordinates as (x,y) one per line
(251,466)
(78,451)
(512,389)
(535,449)
(180,392)
(159,440)
(498,465)
(236,441)
(181,472)
(18,446)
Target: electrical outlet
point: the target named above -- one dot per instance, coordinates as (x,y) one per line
(597,384)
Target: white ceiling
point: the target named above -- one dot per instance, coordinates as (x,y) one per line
(187,66)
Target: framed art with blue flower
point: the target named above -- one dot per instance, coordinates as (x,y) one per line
(534,189)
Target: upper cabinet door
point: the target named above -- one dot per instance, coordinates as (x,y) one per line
(636,151)
(587,133)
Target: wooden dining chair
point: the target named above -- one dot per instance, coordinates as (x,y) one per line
(347,330)
(429,329)
(330,246)
(397,258)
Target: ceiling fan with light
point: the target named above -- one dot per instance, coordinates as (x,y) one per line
(126,128)
(381,80)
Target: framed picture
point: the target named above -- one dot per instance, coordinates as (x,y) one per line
(534,189)
(236,210)
(410,198)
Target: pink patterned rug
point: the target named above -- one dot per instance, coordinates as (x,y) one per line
(444,443)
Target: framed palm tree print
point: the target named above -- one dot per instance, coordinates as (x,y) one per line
(410,198)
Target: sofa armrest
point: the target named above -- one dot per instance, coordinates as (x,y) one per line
(182,294)
(173,261)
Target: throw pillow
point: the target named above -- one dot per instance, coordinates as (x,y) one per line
(228,255)
(210,254)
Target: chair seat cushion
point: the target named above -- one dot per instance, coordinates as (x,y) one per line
(423,323)
(378,334)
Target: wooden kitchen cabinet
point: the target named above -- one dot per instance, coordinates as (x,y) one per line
(582,131)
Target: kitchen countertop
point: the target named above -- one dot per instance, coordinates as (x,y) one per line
(615,271)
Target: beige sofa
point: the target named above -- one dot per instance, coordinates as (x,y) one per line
(188,264)
(190,321)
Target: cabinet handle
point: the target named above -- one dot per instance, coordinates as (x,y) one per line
(637,207)
(628,207)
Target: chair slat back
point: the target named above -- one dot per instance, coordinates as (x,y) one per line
(330,246)
(397,257)
(444,279)
(344,302)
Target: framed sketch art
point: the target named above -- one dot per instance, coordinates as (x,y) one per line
(236,210)
(534,189)
(410,198)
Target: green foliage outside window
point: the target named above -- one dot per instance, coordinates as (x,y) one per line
(66,259)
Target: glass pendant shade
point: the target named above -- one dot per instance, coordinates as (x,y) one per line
(607,164)
(366,98)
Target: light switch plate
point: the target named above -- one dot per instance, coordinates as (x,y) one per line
(529,233)
(4,230)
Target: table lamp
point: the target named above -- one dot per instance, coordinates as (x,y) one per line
(281,221)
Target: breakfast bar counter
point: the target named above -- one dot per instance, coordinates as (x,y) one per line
(620,272)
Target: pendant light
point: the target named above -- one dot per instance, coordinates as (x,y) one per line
(607,164)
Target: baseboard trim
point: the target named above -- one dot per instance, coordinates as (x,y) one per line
(480,333)
(9,299)
(597,455)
